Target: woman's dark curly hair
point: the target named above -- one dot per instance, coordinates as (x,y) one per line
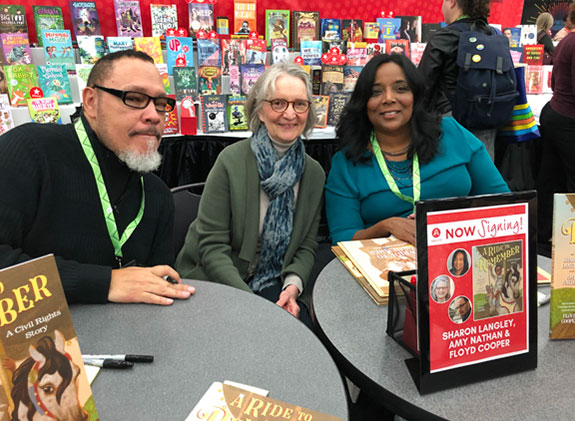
(354,127)
(474,8)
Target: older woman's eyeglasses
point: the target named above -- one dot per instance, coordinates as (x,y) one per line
(300,106)
(140,101)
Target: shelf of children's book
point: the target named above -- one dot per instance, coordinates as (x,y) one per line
(21,115)
(317,134)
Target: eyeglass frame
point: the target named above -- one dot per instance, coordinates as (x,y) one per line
(122,95)
(288,104)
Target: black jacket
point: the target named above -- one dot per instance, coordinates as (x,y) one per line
(439,68)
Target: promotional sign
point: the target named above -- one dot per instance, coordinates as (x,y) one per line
(476,288)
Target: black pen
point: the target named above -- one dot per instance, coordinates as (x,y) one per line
(107,363)
(134,358)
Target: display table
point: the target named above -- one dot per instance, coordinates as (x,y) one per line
(220,333)
(353,329)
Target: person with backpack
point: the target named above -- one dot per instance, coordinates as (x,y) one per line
(469,71)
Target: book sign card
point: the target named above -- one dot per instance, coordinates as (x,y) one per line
(476,288)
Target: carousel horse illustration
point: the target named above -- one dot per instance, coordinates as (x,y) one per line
(45,384)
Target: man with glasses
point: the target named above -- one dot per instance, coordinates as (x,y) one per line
(85,191)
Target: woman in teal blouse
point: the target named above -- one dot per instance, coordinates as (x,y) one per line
(390,145)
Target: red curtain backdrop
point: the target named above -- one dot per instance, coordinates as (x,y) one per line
(505,12)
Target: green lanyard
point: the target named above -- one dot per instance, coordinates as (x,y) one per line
(390,181)
(117,242)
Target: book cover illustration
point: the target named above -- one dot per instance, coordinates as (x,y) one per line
(410,28)
(151,46)
(164,17)
(337,102)
(514,36)
(311,52)
(327,45)
(172,126)
(533,54)
(374,258)
(370,31)
(201,16)
(235,80)
(233,52)
(280,51)
(44,110)
(398,46)
(277,25)
(6,119)
(237,119)
(374,49)
(54,83)
(350,76)
(82,72)
(516,54)
(245,17)
(305,26)
(58,48)
(562,303)
(227,402)
(547,72)
(352,30)
(91,49)
(315,76)
(38,338)
(388,28)
(214,114)
(128,18)
(21,78)
(16,49)
(163,71)
(210,80)
(223,25)
(185,83)
(356,53)
(209,52)
(417,49)
(321,104)
(477,284)
(332,79)
(13,19)
(250,74)
(119,44)
(528,35)
(534,80)
(330,29)
(255,51)
(47,18)
(85,19)
(3,82)
(180,52)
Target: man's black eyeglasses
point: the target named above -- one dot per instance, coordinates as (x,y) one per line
(140,101)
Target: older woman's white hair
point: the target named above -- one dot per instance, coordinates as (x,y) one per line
(264,88)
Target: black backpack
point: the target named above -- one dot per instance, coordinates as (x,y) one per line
(486,89)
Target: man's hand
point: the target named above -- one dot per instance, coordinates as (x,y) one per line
(287,300)
(147,285)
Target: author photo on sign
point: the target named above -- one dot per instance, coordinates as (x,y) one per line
(441,289)
(458,262)
(460,309)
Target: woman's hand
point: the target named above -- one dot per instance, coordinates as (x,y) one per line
(287,300)
(401,228)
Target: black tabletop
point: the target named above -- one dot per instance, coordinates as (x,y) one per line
(353,328)
(220,333)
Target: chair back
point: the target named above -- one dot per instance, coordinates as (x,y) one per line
(186,201)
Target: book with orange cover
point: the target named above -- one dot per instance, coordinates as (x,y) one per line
(38,340)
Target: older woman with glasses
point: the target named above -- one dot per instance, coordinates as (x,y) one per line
(260,210)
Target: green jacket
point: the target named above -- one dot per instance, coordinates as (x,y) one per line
(221,243)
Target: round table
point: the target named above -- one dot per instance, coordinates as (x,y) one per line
(220,333)
(353,328)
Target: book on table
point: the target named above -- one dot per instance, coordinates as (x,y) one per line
(374,258)
(37,339)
